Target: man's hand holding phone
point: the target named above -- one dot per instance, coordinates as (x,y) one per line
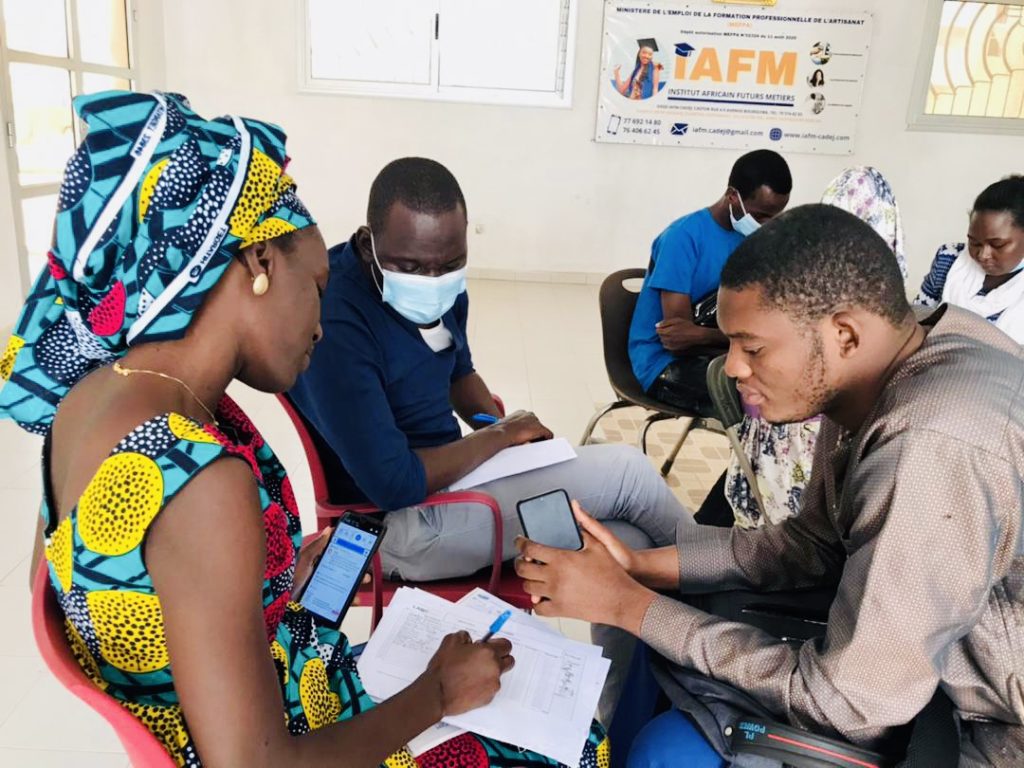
(623,555)
(548,519)
(591,583)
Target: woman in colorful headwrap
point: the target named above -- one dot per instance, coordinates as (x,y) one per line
(182,260)
(643,81)
(781,455)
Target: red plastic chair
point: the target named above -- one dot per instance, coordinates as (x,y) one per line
(142,747)
(500,581)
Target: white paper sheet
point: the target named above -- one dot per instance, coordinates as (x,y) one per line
(546,700)
(516,460)
(483,601)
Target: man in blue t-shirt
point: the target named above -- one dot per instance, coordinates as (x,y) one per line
(669,347)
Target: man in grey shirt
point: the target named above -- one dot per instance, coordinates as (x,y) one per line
(913,509)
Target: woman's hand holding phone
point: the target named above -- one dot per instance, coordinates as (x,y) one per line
(307,559)
(468,674)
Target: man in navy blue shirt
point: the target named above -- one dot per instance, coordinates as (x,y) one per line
(394,363)
(669,351)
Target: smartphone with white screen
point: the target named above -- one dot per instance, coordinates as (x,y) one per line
(548,519)
(341,566)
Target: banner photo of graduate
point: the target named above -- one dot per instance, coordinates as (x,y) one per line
(695,75)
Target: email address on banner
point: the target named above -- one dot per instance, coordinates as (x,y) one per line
(727,131)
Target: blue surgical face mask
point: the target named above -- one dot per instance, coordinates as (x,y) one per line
(747,225)
(418,298)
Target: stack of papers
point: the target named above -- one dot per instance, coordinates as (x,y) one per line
(546,700)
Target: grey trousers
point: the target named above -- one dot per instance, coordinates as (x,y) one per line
(615,483)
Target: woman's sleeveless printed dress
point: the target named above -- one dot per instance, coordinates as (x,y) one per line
(114,620)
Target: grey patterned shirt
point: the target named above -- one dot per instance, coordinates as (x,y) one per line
(917,516)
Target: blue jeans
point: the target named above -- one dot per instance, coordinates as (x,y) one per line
(669,740)
(642,738)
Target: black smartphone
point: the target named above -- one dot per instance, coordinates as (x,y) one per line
(340,568)
(548,519)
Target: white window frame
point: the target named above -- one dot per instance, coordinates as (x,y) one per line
(917,119)
(74,63)
(561,98)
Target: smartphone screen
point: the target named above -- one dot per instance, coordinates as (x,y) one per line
(548,519)
(341,567)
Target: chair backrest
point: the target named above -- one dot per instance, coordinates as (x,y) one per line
(617,303)
(726,400)
(142,747)
(723,393)
(316,466)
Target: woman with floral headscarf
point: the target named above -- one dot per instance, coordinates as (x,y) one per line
(182,260)
(781,455)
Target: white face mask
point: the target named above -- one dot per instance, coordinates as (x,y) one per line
(419,299)
(747,225)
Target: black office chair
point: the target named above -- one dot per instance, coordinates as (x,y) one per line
(617,303)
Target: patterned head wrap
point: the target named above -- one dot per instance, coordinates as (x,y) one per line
(153,206)
(865,193)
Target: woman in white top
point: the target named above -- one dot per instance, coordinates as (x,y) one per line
(984,275)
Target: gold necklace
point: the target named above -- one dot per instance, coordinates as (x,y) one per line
(120,370)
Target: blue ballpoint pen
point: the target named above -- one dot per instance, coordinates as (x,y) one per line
(496,625)
(485,418)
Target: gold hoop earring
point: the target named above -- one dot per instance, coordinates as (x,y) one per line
(261,284)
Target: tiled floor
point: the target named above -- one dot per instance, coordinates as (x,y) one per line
(538,345)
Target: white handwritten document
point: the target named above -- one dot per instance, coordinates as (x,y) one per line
(516,460)
(546,700)
(483,601)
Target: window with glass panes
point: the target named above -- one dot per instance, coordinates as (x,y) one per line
(53,50)
(971,71)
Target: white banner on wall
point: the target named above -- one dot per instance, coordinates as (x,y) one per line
(702,75)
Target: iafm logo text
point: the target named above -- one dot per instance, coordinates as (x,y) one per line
(767,67)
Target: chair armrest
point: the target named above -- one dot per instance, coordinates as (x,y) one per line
(325,513)
(724,395)
(499,404)
(475,497)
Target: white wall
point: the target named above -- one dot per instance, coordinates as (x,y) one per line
(546,196)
